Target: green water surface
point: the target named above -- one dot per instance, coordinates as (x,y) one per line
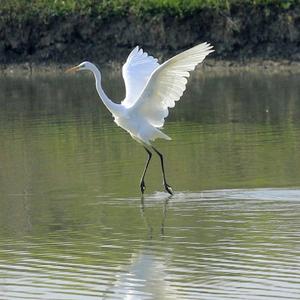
(73,224)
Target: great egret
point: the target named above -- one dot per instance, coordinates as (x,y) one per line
(151,89)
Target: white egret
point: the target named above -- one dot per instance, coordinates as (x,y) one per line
(151,89)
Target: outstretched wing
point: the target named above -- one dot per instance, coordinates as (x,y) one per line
(167,84)
(136,73)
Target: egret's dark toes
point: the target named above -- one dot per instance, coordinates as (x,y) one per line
(143,187)
(168,189)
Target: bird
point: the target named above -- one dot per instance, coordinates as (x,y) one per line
(151,89)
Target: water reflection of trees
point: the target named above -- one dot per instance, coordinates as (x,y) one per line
(241,97)
(244,97)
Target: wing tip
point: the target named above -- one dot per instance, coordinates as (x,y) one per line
(133,52)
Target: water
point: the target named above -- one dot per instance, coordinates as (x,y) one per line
(73,224)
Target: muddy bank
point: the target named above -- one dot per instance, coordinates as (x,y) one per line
(242,33)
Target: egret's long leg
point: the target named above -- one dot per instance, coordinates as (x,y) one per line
(142,183)
(167,187)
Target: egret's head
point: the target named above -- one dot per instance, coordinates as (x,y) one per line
(83,66)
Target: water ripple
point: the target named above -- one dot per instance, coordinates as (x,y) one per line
(216,244)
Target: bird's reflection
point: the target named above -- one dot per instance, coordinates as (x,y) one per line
(147,219)
(146,272)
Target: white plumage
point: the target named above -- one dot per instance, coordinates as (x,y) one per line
(136,72)
(151,89)
(167,84)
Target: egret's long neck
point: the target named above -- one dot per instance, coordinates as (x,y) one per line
(114,108)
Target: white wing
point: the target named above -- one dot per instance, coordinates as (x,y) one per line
(167,84)
(136,73)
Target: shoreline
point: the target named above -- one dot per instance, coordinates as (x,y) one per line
(212,66)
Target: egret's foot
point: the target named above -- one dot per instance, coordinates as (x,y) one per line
(168,188)
(142,186)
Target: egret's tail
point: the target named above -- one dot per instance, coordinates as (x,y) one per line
(160,135)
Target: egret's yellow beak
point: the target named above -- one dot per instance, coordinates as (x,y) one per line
(73,70)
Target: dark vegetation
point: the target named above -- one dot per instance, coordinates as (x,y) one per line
(71,30)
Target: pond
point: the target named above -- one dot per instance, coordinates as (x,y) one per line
(73,224)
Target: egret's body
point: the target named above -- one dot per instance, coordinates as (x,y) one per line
(150,90)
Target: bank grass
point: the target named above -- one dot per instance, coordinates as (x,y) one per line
(123,7)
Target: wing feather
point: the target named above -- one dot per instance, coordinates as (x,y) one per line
(136,73)
(167,84)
